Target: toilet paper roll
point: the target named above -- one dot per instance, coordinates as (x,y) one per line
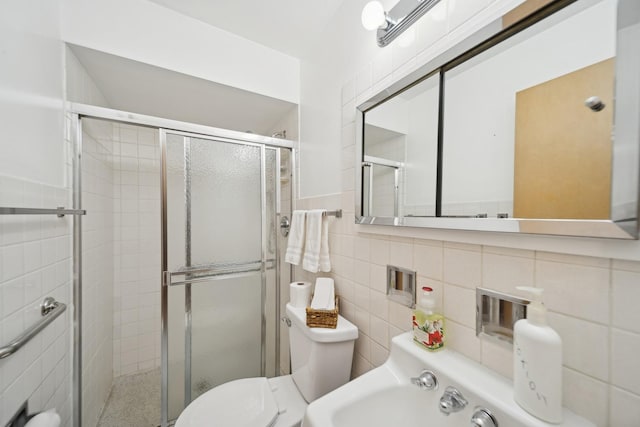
(49,418)
(299,294)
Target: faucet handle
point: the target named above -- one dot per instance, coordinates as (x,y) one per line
(452,401)
(482,417)
(426,380)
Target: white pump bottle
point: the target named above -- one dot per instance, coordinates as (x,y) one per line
(537,362)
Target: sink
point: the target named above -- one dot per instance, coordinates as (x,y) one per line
(386,395)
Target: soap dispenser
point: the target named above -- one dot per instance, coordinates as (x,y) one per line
(428,326)
(537,362)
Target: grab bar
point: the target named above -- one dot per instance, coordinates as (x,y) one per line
(60,211)
(50,310)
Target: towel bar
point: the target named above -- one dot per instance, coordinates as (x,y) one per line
(285,224)
(60,212)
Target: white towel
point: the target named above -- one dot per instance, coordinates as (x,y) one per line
(324,297)
(295,244)
(316,247)
(325,260)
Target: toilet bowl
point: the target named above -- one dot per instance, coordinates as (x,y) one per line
(320,363)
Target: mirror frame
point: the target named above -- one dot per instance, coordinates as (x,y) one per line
(478,42)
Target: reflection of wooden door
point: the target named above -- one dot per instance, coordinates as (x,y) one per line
(563,149)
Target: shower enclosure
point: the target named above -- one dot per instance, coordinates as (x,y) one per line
(215,295)
(220,264)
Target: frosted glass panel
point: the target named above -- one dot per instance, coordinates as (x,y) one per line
(226,214)
(216,209)
(226,333)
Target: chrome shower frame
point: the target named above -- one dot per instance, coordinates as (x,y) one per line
(79,111)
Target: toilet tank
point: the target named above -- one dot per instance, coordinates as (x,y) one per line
(320,357)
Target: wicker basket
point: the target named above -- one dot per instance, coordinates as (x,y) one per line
(323,318)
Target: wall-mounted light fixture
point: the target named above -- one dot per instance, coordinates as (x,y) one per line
(391,24)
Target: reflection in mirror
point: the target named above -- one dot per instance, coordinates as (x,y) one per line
(518,138)
(400,152)
(534,128)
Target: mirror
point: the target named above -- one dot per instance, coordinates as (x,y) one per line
(400,154)
(529,127)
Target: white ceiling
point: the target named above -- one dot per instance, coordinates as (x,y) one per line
(141,88)
(288,26)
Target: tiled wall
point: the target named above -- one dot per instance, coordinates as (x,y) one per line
(97,268)
(136,327)
(592,304)
(35,262)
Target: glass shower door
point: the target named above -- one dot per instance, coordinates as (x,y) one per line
(220,264)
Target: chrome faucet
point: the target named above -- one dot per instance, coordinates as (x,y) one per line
(426,381)
(452,401)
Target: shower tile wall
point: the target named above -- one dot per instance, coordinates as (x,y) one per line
(136,323)
(97,271)
(34,263)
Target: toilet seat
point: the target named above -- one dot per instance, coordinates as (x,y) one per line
(248,402)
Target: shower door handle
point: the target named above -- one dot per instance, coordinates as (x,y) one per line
(212,272)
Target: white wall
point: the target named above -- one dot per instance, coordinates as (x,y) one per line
(149,33)
(591,284)
(34,251)
(31,91)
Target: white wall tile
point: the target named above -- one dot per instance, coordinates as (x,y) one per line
(25,259)
(401,254)
(577,290)
(626,295)
(504,273)
(379,251)
(579,339)
(462,267)
(379,304)
(497,355)
(625,370)
(625,408)
(463,340)
(379,331)
(361,248)
(364,79)
(427,260)
(348,91)
(382,65)
(585,396)
(460,305)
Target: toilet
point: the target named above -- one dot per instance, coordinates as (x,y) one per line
(320,362)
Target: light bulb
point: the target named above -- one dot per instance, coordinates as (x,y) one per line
(373,15)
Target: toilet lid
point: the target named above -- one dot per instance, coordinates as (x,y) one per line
(246,402)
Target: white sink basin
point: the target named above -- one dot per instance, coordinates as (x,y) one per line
(385,396)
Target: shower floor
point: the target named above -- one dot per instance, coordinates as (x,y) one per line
(134,401)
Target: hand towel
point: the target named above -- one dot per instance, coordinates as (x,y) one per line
(296,241)
(325,260)
(316,247)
